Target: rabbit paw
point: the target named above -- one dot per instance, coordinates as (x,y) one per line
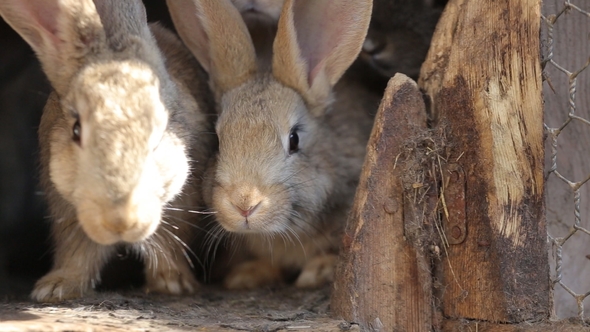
(317,272)
(252,274)
(171,281)
(60,285)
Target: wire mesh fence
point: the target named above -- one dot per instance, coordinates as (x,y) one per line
(565,59)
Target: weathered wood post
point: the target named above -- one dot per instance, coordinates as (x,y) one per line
(484,77)
(383,281)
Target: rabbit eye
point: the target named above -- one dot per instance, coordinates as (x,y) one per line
(76,132)
(293,142)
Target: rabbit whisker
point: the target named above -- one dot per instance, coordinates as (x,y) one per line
(189,211)
(186,248)
(178,219)
(296,236)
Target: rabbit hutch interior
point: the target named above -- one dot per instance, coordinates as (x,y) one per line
(309,165)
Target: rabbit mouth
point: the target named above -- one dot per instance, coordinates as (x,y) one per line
(104,236)
(107,234)
(252,226)
(268,222)
(107,224)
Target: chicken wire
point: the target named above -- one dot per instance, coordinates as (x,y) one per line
(566,78)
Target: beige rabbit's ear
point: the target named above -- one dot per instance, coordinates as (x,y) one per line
(216,34)
(61,32)
(317,40)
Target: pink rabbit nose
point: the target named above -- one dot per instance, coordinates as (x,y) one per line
(248,212)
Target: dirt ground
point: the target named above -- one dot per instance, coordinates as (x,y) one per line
(213,309)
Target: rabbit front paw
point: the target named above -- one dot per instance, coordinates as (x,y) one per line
(317,272)
(59,285)
(171,281)
(252,274)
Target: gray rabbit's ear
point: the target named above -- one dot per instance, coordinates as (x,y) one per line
(317,40)
(61,32)
(216,34)
(121,19)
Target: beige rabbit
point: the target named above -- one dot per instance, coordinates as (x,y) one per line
(290,148)
(119,137)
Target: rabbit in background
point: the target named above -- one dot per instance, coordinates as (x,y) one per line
(265,10)
(399,35)
(120,139)
(261,17)
(291,139)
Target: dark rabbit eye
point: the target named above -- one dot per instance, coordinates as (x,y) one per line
(293,142)
(76,132)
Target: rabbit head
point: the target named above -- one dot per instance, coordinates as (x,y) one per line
(278,161)
(111,154)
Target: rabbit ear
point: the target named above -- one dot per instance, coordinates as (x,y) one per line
(61,32)
(121,19)
(317,40)
(216,34)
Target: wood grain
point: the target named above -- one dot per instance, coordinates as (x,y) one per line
(383,280)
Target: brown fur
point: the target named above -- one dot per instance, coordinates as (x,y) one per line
(141,114)
(299,200)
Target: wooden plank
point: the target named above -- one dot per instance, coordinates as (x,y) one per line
(484,77)
(383,280)
(213,309)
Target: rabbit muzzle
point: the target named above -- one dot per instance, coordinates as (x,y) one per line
(132,220)
(249,209)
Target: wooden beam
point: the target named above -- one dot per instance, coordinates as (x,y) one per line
(484,77)
(383,281)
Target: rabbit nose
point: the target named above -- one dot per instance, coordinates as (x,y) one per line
(248,211)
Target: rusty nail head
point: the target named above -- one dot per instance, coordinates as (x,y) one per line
(456,232)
